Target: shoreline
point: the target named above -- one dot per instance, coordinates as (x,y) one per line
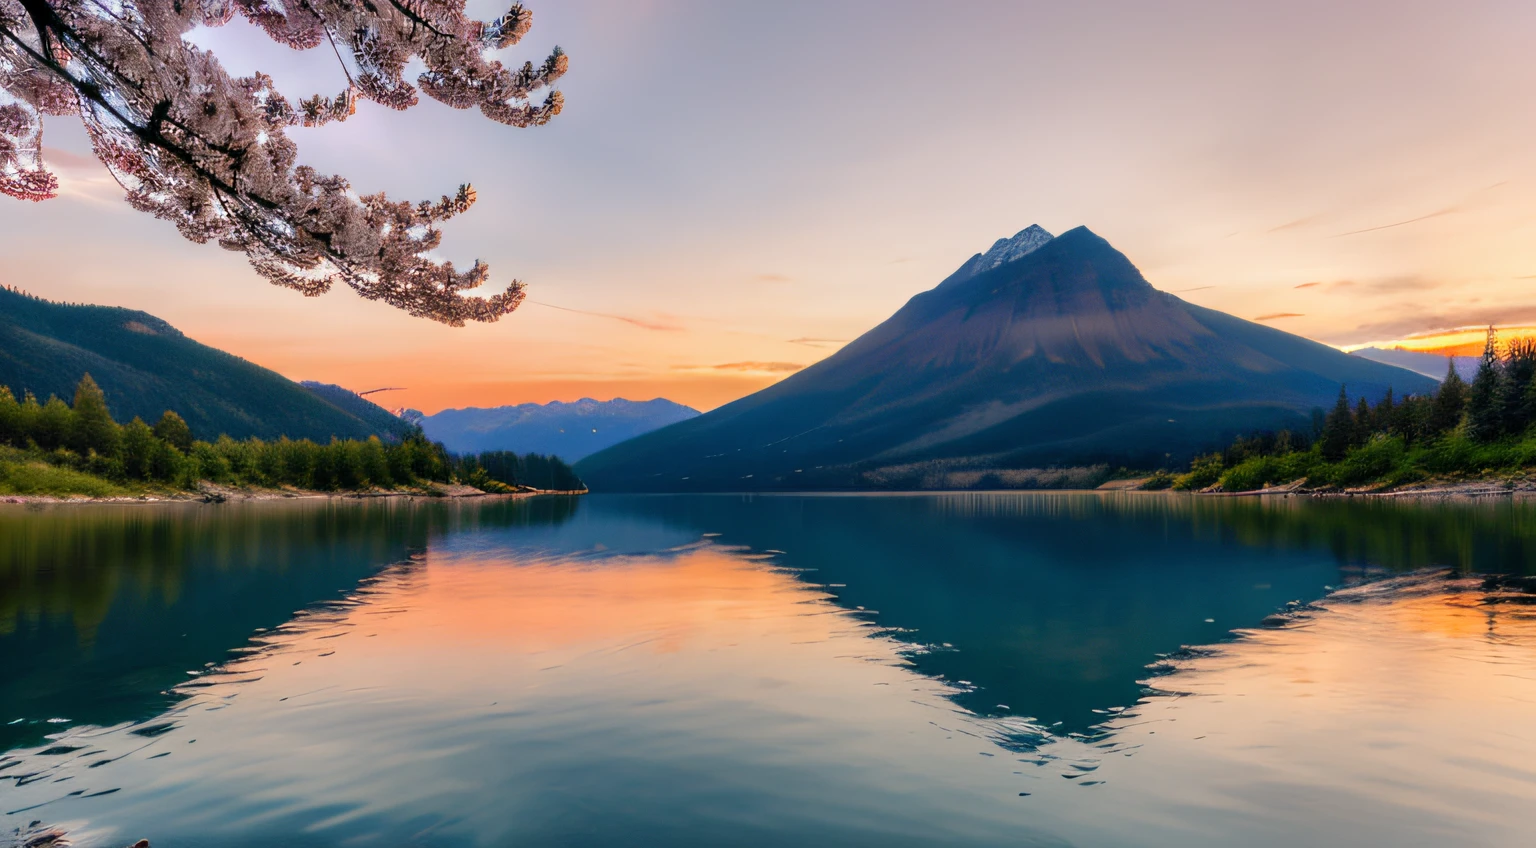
(215,494)
(1467,489)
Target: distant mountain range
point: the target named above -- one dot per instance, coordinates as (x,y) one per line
(567,430)
(1039,352)
(145,366)
(1428,364)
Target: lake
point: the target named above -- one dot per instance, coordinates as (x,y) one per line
(966,669)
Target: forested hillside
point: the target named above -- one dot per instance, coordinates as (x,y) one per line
(145,366)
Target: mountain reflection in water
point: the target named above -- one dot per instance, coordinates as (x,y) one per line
(840,670)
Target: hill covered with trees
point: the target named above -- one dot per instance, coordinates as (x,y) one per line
(58,448)
(145,366)
(1477,430)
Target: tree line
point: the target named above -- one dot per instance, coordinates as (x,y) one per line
(84,436)
(1487,426)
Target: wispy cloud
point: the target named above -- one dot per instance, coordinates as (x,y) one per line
(637,322)
(1296,224)
(810,342)
(1278,315)
(751,365)
(1429,322)
(1308,285)
(774,278)
(1449,210)
(1196,288)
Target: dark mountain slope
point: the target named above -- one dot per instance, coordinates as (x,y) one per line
(145,366)
(1061,354)
(376,417)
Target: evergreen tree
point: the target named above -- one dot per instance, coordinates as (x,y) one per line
(172,430)
(1445,411)
(1338,429)
(1483,418)
(91,425)
(1386,414)
(1365,422)
(1517,404)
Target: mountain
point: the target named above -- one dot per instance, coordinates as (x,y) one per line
(567,430)
(1052,352)
(377,417)
(145,366)
(1428,364)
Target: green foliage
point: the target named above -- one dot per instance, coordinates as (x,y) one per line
(1487,429)
(536,471)
(21,474)
(172,430)
(1450,401)
(51,423)
(85,442)
(1338,430)
(139,450)
(1204,471)
(146,366)
(1159,481)
(91,424)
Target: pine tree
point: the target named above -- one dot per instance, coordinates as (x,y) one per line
(1483,419)
(1517,404)
(172,430)
(1338,429)
(92,427)
(1445,411)
(1365,423)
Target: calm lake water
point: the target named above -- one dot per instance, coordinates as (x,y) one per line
(951,669)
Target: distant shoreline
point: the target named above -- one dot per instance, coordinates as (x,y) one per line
(223,494)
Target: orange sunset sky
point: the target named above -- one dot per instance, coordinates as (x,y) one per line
(732,193)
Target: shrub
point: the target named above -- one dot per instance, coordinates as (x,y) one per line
(1204,471)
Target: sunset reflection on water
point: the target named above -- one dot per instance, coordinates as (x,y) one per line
(660,671)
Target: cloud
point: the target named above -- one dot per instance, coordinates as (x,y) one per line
(638,322)
(774,278)
(1276,315)
(772,367)
(1296,224)
(810,342)
(1527,277)
(1427,322)
(1196,288)
(1449,210)
(1384,285)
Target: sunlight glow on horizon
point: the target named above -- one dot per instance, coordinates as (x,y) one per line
(684,235)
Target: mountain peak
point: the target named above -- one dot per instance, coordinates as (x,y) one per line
(1005,250)
(1002,251)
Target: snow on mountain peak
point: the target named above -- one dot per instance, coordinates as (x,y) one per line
(1005,250)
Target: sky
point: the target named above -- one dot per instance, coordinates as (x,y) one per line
(734,190)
